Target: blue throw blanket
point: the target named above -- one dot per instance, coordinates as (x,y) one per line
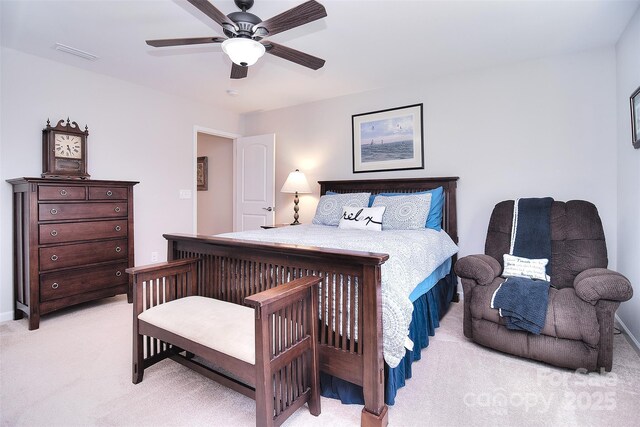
(531,231)
(522,303)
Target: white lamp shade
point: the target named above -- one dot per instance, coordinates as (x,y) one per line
(296,183)
(243,51)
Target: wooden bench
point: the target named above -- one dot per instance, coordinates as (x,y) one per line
(266,348)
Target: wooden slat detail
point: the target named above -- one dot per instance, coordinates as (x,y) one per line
(233,278)
(231,272)
(158,284)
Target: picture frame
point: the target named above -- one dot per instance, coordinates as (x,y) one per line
(202,173)
(388,140)
(634,102)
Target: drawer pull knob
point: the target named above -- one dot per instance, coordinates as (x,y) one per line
(54,257)
(54,211)
(118,249)
(55,285)
(118,228)
(109,193)
(117,209)
(54,233)
(63,192)
(118,273)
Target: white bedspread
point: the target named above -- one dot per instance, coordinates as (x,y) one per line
(413,255)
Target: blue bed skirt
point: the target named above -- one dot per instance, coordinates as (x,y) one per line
(428,309)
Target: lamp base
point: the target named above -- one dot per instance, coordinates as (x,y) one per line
(296,200)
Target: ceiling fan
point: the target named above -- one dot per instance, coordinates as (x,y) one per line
(245,32)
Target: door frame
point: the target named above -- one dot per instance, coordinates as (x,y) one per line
(194,190)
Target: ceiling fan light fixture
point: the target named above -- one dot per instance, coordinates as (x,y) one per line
(243,51)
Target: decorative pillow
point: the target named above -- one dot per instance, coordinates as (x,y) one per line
(434,219)
(329,210)
(362,218)
(408,212)
(515,266)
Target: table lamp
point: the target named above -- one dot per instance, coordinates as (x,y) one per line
(296,183)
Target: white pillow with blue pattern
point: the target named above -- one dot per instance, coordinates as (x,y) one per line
(404,212)
(329,210)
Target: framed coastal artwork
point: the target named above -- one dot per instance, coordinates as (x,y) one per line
(635,118)
(388,140)
(202,174)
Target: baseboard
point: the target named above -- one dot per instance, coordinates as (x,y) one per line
(632,339)
(7,315)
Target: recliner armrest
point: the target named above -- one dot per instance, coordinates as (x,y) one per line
(481,268)
(595,284)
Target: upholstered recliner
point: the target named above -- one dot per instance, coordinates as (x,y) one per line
(583,296)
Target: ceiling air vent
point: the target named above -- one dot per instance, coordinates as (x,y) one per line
(77,52)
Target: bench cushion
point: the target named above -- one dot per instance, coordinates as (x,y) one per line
(222,326)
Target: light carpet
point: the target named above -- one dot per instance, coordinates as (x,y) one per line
(76,371)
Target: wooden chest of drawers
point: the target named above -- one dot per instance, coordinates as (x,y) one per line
(73,240)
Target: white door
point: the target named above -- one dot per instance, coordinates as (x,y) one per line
(255,164)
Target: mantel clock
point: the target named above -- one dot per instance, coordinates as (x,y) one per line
(64,151)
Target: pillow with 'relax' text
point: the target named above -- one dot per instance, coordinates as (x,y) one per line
(362,218)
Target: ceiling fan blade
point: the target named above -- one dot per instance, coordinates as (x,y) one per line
(182,42)
(212,12)
(299,15)
(293,55)
(238,71)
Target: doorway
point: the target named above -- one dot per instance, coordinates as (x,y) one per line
(215,205)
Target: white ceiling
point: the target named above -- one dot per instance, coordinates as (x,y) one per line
(367,44)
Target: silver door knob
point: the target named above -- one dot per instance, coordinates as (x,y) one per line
(269,209)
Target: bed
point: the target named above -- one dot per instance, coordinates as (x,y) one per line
(231,269)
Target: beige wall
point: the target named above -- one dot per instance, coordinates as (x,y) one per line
(215,206)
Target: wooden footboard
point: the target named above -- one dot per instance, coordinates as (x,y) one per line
(350,325)
(350,313)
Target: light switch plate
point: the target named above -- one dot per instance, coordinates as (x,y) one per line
(185,194)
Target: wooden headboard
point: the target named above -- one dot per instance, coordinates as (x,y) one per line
(405,185)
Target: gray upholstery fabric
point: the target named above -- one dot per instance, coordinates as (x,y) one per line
(577,238)
(578,330)
(564,308)
(482,268)
(595,284)
(559,352)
